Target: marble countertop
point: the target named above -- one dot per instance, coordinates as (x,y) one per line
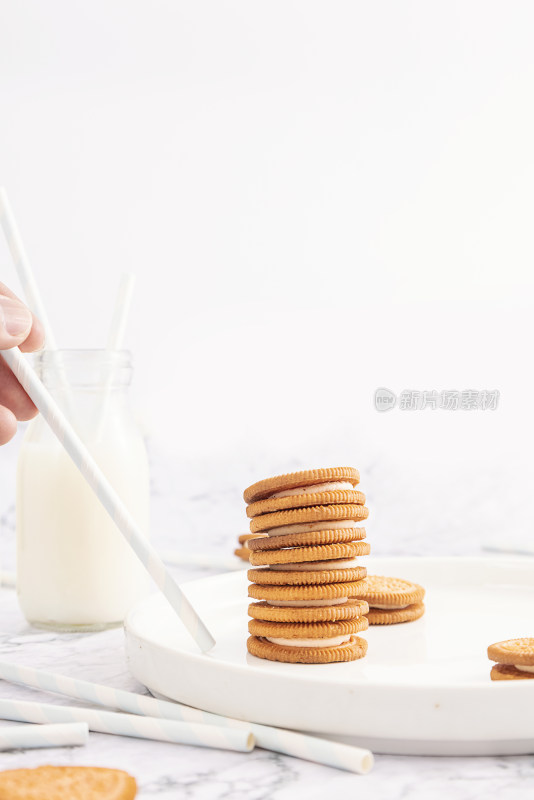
(175,771)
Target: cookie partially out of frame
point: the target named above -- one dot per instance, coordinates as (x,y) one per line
(513,651)
(69,782)
(507,672)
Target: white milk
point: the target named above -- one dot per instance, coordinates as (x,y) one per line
(75,570)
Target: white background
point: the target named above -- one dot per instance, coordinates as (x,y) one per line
(318,198)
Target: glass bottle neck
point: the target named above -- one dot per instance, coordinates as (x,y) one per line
(72,371)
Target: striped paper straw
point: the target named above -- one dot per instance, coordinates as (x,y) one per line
(140,727)
(28,737)
(94,476)
(310,748)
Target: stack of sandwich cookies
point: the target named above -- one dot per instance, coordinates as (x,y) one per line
(243,551)
(515,660)
(306,576)
(393,600)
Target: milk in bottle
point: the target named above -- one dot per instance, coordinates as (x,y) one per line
(75,571)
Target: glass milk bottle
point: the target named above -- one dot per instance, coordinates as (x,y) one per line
(75,571)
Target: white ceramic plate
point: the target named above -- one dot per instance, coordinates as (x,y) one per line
(423,688)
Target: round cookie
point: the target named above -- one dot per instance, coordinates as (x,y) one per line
(513,651)
(322,591)
(507,672)
(73,782)
(349,651)
(295,555)
(267,577)
(377,616)
(243,553)
(394,592)
(309,538)
(295,480)
(246,537)
(318,498)
(352,609)
(298,516)
(307,630)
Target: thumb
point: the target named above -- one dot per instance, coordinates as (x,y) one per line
(15,322)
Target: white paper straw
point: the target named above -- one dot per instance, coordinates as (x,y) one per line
(30,288)
(140,727)
(23,267)
(121,311)
(116,340)
(310,748)
(28,737)
(108,497)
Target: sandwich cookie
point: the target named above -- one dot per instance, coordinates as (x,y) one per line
(282,522)
(321,594)
(337,573)
(350,649)
(304,482)
(298,641)
(303,632)
(294,557)
(316,498)
(393,600)
(311,538)
(350,609)
(515,657)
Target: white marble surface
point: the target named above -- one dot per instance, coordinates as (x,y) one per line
(212,514)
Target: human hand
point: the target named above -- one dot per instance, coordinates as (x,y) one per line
(18,327)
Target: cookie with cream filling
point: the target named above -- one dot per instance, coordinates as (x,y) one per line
(515,659)
(279,522)
(306,555)
(305,481)
(348,609)
(317,498)
(349,649)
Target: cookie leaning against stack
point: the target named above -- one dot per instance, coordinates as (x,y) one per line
(243,550)
(306,576)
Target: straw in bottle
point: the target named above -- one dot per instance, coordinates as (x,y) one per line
(108,496)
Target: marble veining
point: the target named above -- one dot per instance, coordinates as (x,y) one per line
(212,515)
